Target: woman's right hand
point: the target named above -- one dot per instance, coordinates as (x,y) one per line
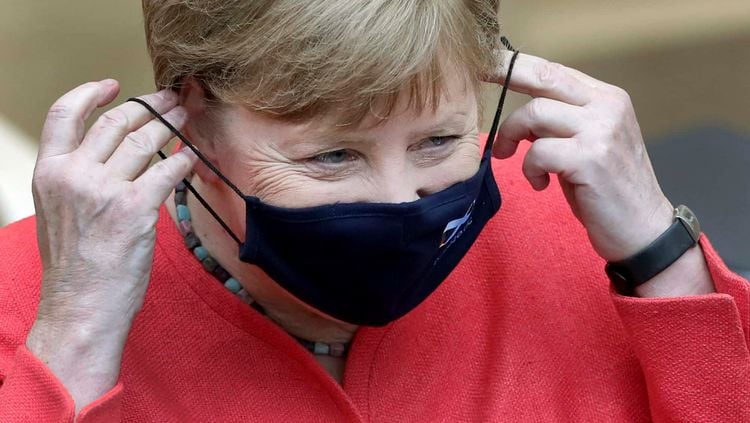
(97,202)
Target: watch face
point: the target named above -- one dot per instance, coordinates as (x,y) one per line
(690,221)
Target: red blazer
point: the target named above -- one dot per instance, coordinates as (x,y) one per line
(525,329)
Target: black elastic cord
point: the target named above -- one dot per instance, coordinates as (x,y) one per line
(496,120)
(205,205)
(189,144)
(187,183)
(176,132)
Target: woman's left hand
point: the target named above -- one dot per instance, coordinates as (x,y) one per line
(586,132)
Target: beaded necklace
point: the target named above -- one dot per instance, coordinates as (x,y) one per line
(193,243)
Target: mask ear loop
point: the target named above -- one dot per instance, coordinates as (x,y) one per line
(496,120)
(203,158)
(490,142)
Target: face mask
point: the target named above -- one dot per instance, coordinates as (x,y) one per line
(365,263)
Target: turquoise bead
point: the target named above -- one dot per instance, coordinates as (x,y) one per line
(232,285)
(183,213)
(201,253)
(321,349)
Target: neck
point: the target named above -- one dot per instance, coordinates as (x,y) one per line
(292,315)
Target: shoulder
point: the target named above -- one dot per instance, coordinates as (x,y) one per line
(20,264)
(533,260)
(534,235)
(531,217)
(20,281)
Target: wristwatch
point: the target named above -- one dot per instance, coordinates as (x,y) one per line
(684,233)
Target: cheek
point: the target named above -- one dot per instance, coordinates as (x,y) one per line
(462,165)
(261,174)
(280,184)
(285,184)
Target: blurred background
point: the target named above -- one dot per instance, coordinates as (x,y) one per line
(686,65)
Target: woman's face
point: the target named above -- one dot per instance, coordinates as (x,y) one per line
(407,156)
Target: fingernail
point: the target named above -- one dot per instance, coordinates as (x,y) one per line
(108,82)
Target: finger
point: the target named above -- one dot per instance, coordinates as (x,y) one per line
(65,123)
(109,130)
(539,118)
(139,147)
(539,77)
(550,155)
(585,78)
(161,178)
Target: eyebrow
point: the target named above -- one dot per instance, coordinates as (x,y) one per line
(450,122)
(454,121)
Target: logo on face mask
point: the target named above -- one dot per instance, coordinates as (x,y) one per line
(455,228)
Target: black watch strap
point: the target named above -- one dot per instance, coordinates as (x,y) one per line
(684,233)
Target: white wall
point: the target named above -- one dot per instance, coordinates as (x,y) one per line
(17,156)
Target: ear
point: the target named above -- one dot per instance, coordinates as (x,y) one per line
(193,99)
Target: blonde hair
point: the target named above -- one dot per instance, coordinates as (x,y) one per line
(303,58)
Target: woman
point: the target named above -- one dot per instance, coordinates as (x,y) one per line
(375,279)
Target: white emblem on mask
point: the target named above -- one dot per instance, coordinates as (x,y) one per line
(455,228)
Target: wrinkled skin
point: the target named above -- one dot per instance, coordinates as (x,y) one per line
(97,201)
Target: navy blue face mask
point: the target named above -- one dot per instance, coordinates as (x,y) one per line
(366,263)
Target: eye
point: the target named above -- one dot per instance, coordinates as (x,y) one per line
(439,141)
(335,157)
(436,142)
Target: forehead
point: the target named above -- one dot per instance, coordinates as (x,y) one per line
(456,112)
(456,103)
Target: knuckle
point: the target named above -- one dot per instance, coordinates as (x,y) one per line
(59,111)
(141,142)
(548,74)
(536,108)
(158,97)
(620,94)
(620,99)
(165,171)
(114,118)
